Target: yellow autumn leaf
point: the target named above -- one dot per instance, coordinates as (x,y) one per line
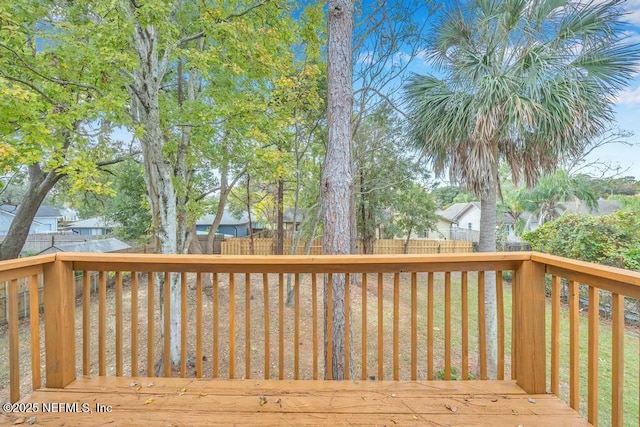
(148,401)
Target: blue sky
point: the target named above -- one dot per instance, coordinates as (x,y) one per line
(628,108)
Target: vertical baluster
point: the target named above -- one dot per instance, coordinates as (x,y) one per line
(296,328)
(183,325)
(134,324)
(34,320)
(364,326)
(482,329)
(102,323)
(267,339)
(14,350)
(216,321)
(199,325)
(500,313)
(329,311)
(555,335)
(380,327)
(247,325)
(514,332)
(447,325)
(281,326)
(347,329)
(465,324)
(592,377)
(414,326)
(396,326)
(232,326)
(119,324)
(617,359)
(150,323)
(574,349)
(314,320)
(86,323)
(166,331)
(430,285)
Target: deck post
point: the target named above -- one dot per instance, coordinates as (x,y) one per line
(59,323)
(529,312)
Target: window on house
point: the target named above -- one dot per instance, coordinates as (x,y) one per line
(469,225)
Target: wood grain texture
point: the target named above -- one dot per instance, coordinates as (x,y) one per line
(14,350)
(86,322)
(574,346)
(119,324)
(464,288)
(530,328)
(151,315)
(592,376)
(134,324)
(555,335)
(238,402)
(617,360)
(102,323)
(34,321)
(59,320)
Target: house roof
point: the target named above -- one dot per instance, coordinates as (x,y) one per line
(455,211)
(43,211)
(95,246)
(227,219)
(605,207)
(91,223)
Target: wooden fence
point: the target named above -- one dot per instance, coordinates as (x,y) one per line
(263,246)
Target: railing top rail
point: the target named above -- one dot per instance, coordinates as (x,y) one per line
(18,263)
(297,263)
(589,269)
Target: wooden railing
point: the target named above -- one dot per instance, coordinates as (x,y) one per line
(411,317)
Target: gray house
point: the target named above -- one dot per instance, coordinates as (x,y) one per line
(91,227)
(231,225)
(45,221)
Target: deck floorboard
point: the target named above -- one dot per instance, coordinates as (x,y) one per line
(183,402)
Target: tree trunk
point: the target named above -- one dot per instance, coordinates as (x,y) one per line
(336,177)
(407,240)
(39,186)
(280,218)
(487,243)
(159,172)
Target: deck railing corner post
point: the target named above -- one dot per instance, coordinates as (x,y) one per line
(529,333)
(59,323)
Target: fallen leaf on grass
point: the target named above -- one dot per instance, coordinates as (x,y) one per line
(149,400)
(452,408)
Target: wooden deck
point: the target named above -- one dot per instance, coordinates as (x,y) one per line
(187,402)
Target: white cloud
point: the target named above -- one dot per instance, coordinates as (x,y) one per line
(629,97)
(633,11)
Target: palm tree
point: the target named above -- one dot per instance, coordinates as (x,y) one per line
(523,81)
(547,197)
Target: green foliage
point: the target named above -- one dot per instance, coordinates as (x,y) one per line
(413,210)
(129,209)
(609,239)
